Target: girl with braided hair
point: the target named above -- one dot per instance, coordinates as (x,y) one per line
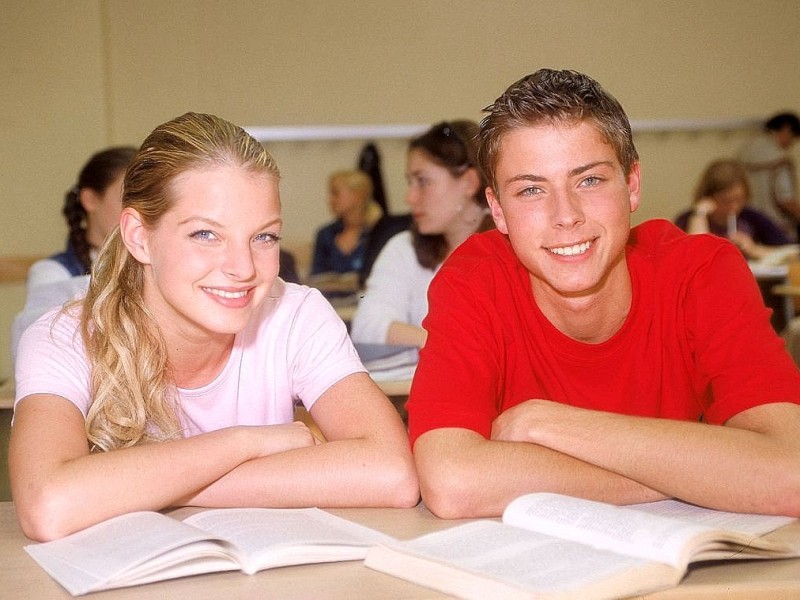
(91,209)
(174,381)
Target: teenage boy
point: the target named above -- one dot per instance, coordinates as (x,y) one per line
(567,352)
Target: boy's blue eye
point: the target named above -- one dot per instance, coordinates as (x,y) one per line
(530,191)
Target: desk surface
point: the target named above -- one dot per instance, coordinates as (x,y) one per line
(7,395)
(21,577)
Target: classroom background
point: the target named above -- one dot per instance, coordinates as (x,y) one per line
(696,78)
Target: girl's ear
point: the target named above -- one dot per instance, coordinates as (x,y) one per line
(89,199)
(134,235)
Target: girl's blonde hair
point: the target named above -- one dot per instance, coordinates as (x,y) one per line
(134,397)
(356,180)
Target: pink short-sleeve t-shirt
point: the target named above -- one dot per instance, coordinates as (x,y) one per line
(293,350)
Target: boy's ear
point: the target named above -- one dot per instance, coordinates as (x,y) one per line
(134,235)
(634,186)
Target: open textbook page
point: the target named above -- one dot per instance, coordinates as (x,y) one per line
(144,547)
(556,547)
(669,531)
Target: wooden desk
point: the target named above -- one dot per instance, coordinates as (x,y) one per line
(769,277)
(21,577)
(7,395)
(398,387)
(14,269)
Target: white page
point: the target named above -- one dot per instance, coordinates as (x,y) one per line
(85,560)
(634,533)
(526,559)
(260,531)
(742,523)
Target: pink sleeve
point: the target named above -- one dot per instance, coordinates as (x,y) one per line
(51,360)
(319,349)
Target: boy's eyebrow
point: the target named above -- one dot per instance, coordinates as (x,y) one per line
(572,172)
(588,167)
(525,177)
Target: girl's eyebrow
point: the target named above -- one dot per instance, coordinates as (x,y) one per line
(211,222)
(219,225)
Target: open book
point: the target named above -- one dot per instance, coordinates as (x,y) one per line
(143,547)
(552,546)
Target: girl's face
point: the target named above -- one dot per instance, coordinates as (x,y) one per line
(213,257)
(435,196)
(102,210)
(729,201)
(344,200)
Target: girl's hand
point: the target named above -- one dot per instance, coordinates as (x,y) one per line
(705,206)
(272,439)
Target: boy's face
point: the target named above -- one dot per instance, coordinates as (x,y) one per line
(565,203)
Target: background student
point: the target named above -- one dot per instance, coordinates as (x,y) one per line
(720,206)
(445,194)
(773,173)
(569,353)
(91,209)
(174,381)
(339,246)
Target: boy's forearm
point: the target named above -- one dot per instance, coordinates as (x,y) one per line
(464,475)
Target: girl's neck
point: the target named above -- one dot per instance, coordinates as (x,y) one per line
(470,219)
(354,219)
(195,364)
(94,238)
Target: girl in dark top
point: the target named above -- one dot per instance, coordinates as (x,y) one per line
(720,207)
(340,245)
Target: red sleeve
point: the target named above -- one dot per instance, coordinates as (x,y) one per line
(456,383)
(736,348)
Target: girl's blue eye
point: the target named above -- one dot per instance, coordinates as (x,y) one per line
(202,234)
(268,238)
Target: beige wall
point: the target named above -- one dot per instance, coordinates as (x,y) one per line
(81,74)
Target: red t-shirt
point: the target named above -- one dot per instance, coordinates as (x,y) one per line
(696,345)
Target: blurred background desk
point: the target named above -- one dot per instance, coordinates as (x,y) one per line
(770,277)
(395,387)
(7,395)
(6,406)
